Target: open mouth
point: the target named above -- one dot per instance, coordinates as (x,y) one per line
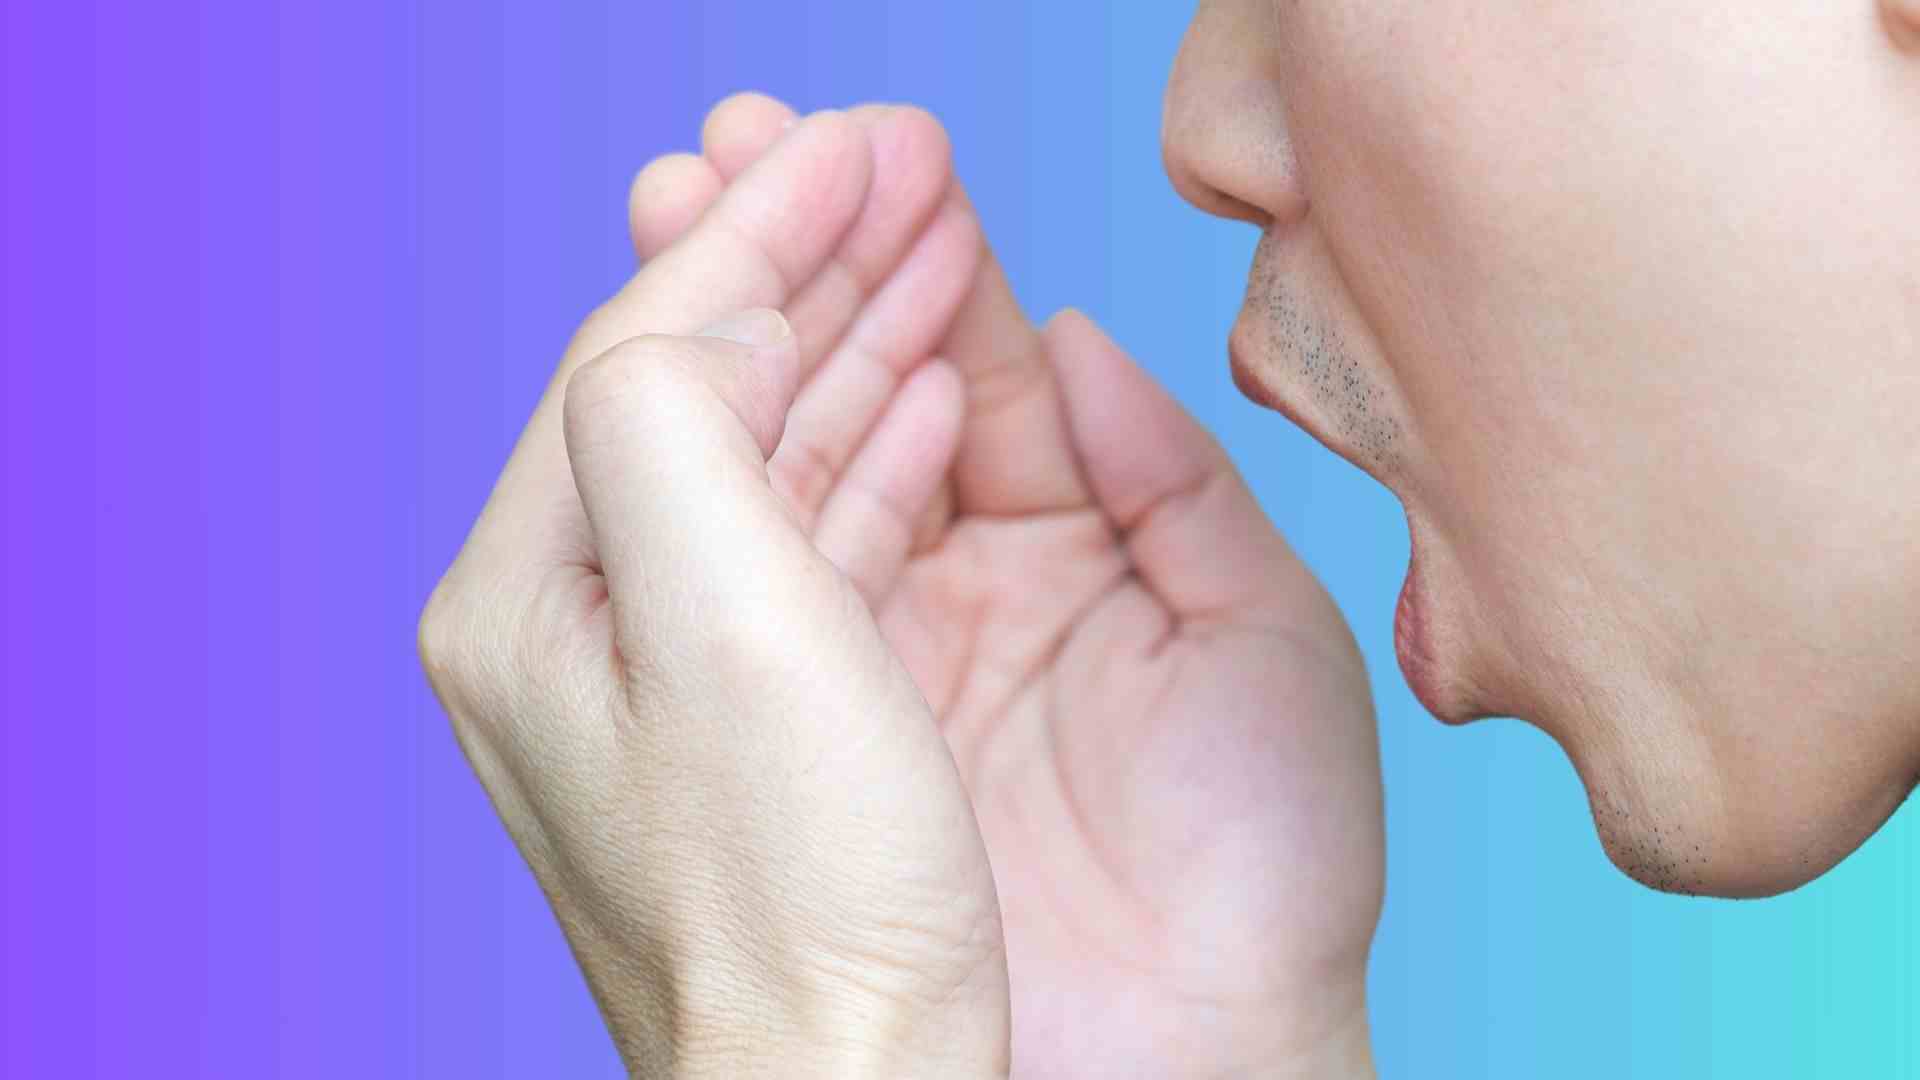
(1289,353)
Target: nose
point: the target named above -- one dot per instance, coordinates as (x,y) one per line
(1223,130)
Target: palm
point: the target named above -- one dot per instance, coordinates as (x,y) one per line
(1181,804)
(1161,719)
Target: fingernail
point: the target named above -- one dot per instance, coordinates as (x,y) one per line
(758,327)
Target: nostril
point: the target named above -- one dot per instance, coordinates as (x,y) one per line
(1223,121)
(1205,196)
(1228,152)
(1226,206)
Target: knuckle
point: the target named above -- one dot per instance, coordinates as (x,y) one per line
(640,374)
(446,641)
(798,621)
(804,474)
(483,655)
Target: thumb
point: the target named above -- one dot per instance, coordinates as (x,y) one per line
(668,439)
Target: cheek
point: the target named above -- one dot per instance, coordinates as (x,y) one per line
(1478,181)
(1402,159)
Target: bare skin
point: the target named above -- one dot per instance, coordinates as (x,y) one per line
(1161,720)
(1583,286)
(895,688)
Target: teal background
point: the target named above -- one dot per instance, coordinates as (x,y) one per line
(281,285)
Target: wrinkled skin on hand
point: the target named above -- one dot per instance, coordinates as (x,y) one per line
(1160,717)
(734,795)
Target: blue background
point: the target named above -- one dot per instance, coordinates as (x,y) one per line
(281,285)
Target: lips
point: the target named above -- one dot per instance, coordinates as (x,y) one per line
(1288,354)
(1413,642)
(1412,634)
(1291,351)
(1246,377)
(1244,344)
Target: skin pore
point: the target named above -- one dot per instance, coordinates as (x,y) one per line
(1355,404)
(1902,20)
(1622,301)
(1581,283)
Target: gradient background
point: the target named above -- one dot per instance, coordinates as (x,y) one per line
(281,285)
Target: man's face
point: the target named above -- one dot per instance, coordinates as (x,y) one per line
(1623,301)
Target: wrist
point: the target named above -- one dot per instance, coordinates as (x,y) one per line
(709,1020)
(1345,1051)
(847,1040)
(1337,1043)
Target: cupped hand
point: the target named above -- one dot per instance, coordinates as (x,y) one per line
(1162,722)
(737,801)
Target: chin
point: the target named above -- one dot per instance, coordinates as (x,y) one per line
(1686,797)
(1681,819)
(1693,856)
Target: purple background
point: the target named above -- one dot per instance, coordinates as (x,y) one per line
(282,283)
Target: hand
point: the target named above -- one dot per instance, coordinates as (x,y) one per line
(1162,721)
(737,801)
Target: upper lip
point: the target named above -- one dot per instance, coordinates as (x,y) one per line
(1242,351)
(1240,360)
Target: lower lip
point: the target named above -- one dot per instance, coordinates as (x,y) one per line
(1412,636)
(1413,644)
